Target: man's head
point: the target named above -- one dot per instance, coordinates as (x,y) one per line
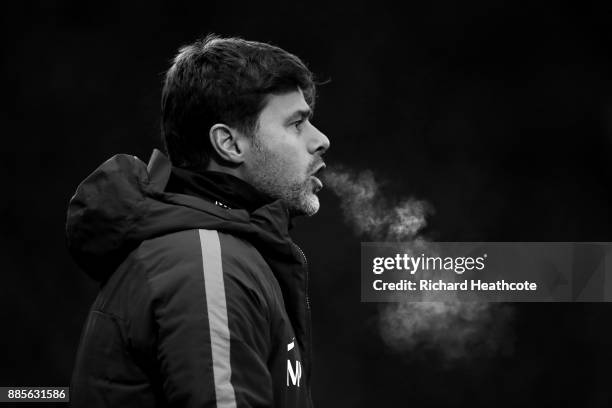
(243,107)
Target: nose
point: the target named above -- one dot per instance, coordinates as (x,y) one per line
(319,143)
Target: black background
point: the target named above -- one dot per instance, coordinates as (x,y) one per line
(498,113)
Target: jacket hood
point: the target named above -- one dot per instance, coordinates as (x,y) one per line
(123,203)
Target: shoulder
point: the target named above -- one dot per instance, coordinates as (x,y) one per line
(184,260)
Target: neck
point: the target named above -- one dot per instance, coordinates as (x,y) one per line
(233,171)
(218,187)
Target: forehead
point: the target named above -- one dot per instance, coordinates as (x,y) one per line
(283,105)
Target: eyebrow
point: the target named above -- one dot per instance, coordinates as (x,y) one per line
(300,114)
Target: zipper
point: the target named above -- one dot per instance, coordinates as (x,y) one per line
(306,267)
(308,322)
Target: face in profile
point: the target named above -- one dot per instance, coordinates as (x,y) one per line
(286,153)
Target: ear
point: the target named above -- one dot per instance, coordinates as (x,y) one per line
(228,143)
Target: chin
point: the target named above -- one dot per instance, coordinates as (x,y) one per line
(309,205)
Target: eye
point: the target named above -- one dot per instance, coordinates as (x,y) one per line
(299,123)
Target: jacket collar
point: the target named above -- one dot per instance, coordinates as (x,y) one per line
(268,225)
(223,189)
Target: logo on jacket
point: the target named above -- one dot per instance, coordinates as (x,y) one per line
(293,374)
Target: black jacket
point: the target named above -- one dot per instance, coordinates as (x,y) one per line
(200,306)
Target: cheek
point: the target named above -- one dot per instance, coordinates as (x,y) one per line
(290,160)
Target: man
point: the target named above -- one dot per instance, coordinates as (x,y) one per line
(203,299)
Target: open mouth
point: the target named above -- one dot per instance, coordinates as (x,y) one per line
(318,183)
(317,175)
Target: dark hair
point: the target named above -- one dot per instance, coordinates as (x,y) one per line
(223,80)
